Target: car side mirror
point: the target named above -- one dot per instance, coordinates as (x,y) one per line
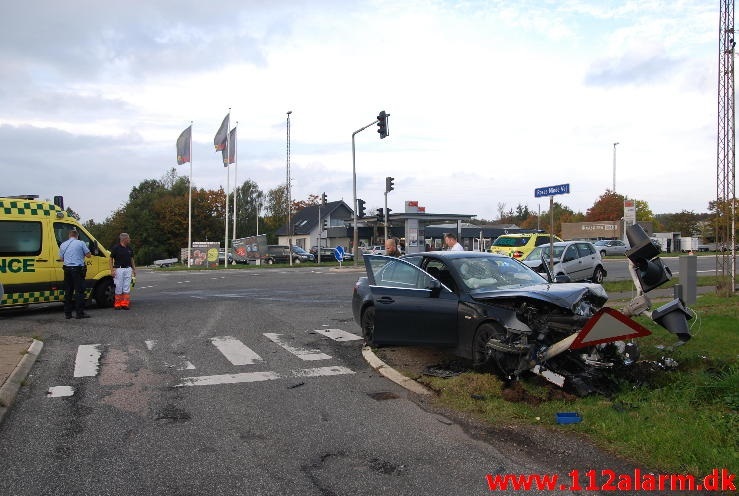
(560,278)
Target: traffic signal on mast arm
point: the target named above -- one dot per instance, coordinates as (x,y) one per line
(389,184)
(652,273)
(360,209)
(323,199)
(382,124)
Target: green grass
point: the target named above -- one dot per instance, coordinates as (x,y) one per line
(628,284)
(684,420)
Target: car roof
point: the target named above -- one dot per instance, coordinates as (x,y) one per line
(455,254)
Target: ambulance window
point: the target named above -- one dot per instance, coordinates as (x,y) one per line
(61,231)
(18,238)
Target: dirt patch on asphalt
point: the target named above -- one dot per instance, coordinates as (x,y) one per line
(412,361)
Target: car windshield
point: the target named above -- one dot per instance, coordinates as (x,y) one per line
(299,250)
(536,253)
(494,273)
(507,241)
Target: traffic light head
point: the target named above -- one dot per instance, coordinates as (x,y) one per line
(382,124)
(325,224)
(360,209)
(389,184)
(323,199)
(673,317)
(380,215)
(649,269)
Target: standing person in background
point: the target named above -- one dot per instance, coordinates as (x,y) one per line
(73,253)
(391,247)
(450,240)
(123,269)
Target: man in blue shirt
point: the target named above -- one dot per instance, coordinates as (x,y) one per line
(73,253)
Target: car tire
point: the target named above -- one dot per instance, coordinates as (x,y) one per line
(368,325)
(105,293)
(270,261)
(296,261)
(603,253)
(598,275)
(484,361)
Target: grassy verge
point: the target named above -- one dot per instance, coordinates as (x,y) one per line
(680,420)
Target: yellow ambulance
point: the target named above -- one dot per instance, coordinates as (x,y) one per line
(31,231)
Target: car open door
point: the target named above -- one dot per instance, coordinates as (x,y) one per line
(411,306)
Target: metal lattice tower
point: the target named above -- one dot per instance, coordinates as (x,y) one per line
(725,172)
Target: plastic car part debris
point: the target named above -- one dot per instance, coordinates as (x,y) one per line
(568,417)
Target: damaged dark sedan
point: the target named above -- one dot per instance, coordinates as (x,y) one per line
(491,309)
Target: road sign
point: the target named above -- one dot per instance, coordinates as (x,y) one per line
(608,325)
(560,189)
(339,253)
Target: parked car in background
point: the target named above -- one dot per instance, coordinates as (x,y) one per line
(282,254)
(222,257)
(578,260)
(374,250)
(611,247)
(519,245)
(327,254)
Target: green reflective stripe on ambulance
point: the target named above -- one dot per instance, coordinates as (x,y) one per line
(24,207)
(37,297)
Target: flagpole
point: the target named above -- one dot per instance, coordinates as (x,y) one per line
(189,207)
(228,186)
(236,172)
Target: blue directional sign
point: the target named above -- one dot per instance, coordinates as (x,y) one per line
(339,253)
(560,189)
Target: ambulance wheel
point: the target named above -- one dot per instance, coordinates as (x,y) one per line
(105,293)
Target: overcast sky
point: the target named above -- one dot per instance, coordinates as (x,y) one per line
(488,99)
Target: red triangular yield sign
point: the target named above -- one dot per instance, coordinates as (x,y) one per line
(608,325)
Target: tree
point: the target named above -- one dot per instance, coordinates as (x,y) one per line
(609,206)
(249,201)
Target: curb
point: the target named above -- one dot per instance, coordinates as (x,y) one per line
(9,390)
(392,374)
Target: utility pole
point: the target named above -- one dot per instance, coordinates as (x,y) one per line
(289,199)
(725,172)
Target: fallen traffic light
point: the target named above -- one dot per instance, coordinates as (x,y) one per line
(673,317)
(649,269)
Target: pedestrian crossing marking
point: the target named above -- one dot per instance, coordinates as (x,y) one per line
(235,351)
(301,353)
(212,380)
(87,361)
(338,334)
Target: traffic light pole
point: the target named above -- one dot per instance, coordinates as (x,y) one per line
(355,247)
(386,216)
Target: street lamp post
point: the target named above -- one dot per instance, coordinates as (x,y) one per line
(289,199)
(614,166)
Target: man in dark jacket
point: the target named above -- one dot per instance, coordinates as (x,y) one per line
(123,270)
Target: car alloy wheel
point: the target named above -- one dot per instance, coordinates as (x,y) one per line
(598,275)
(603,253)
(368,325)
(483,358)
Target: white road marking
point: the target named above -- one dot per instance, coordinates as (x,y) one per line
(322,371)
(338,334)
(235,351)
(212,380)
(150,344)
(87,361)
(59,391)
(301,353)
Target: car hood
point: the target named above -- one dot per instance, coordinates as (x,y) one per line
(564,295)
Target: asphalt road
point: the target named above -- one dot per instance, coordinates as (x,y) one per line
(234,382)
(617,267)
